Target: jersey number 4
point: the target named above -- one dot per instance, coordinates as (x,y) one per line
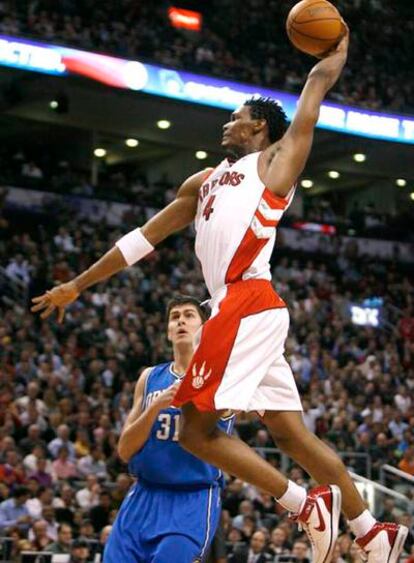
(208,209)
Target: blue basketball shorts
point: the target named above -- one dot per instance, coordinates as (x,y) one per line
(157,525)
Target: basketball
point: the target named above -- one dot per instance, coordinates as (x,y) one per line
(314,27)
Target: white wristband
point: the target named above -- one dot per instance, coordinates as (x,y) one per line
(134,246)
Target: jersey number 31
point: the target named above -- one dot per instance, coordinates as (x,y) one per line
(169,428)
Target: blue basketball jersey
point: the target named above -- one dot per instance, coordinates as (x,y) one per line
(162,461)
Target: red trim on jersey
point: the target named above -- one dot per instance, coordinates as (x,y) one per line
(208,174)
(211,357)
(265,222)
(273,200)
(244,256)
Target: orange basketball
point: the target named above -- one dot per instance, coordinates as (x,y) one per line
(314,26)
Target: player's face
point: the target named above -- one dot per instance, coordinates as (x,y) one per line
(239,129)
(183,322)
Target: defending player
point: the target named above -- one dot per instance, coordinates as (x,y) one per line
(171,514)
(239,362)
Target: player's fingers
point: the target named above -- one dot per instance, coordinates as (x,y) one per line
(40,306)
(48,311)
(61,314)
(39,298)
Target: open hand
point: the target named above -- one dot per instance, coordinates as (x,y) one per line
(57,298)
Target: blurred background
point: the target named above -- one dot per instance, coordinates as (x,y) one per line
(104,110)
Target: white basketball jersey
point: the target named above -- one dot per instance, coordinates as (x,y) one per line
(236,223)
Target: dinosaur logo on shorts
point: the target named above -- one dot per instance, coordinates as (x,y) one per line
(200,377)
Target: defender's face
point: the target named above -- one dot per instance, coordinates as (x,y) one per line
(239,129)
(184,321)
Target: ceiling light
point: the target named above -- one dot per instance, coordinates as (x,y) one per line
(132,143)
(54,104)
(201,155)
(306,184)
(401,182)
(412,196)
(333,174)
(360,157)
(99,152)
(164,124)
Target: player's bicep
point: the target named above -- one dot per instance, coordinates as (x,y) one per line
(287,164)
(178,214)
(292,152)
(138,399)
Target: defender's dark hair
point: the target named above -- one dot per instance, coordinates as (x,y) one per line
(272,113)
(179,300)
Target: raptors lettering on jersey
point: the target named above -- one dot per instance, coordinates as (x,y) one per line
(235,223)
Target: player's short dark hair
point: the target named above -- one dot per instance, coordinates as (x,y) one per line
(179,300)
(272,113)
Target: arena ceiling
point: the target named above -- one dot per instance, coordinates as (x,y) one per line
(103,116)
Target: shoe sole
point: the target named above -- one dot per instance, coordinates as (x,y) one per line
(398,545)
(335,514)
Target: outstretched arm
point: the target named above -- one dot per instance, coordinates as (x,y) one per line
(177,215)
(288,156)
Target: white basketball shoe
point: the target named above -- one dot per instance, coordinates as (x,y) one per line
(319,518)
(383,543)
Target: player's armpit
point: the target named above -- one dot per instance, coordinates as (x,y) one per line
(178,214)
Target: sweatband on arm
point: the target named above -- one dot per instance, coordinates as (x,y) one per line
(134,246)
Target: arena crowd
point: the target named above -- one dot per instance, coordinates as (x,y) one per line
(244,41)
(65,390)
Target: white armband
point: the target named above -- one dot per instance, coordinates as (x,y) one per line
(134,246)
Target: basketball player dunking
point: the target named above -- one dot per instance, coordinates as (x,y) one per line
(171,514)
(239,362)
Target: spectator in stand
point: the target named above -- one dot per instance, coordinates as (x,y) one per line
(43,475)
(407,462)
(13,511)
(255,553)
(122,486)
(19,269)
(279,543)
(63,468)
(64,540)
(100,514)
(32,440)
(48,515)
(62,440)
(11,471)
(79,552)
(39,537)
(300,552)
(89,495)
(93,464)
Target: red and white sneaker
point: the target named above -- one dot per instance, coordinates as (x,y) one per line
(319,518)
(383,543)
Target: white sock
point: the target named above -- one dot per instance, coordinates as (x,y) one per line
(294,498)
(362,524)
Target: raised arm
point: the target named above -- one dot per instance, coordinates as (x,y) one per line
(139,422)
(287,157)
(135,245)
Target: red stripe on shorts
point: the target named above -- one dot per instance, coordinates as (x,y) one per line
(210,360)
